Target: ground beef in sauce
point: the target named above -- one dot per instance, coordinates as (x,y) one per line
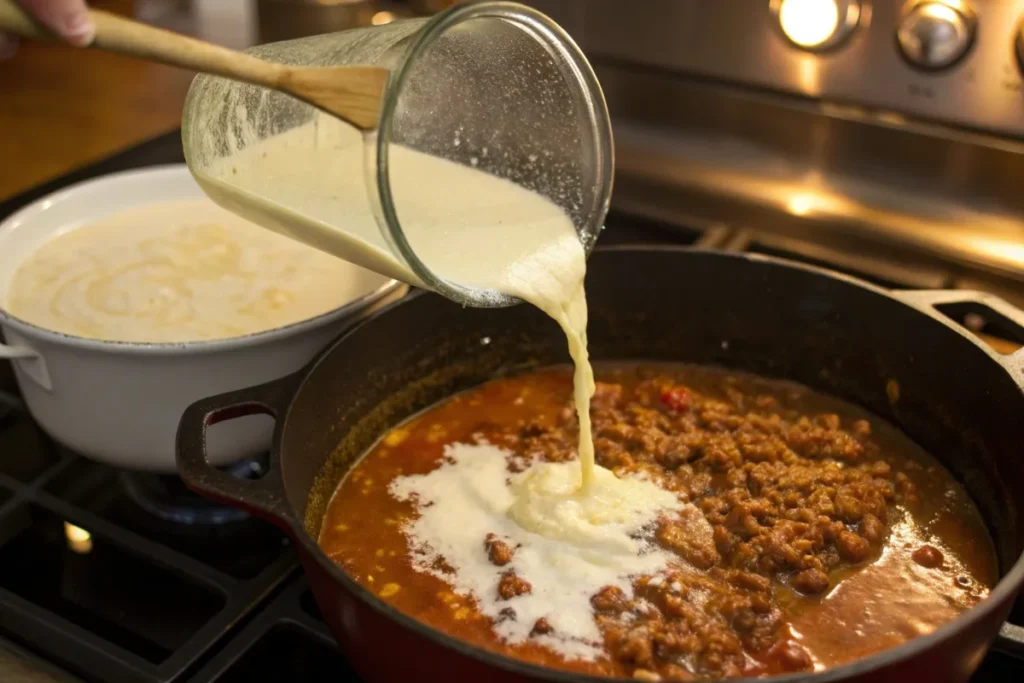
(788,500)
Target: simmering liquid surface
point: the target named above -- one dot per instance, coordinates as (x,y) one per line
(178,272)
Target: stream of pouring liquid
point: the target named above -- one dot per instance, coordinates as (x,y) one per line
(468,226)
(552,280)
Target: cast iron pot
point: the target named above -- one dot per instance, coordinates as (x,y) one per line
(894,353)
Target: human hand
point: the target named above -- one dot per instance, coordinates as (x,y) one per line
(68,19)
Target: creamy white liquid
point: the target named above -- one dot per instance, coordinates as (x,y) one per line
(568,547)
(178,272)
(468,226)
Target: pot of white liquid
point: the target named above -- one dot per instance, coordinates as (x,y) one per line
(126,298)
(494,145)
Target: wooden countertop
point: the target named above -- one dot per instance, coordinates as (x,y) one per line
(64,107)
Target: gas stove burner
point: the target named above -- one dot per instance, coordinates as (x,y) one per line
(166,497)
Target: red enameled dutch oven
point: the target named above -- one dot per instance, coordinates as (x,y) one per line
(957,398)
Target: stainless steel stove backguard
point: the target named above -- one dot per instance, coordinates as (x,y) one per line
(741,41)
(851,153)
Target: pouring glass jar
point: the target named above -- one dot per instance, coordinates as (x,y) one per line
(495,86)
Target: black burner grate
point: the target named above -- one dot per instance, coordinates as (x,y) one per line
(287,640)
(104,491)
(96,584)
(91,580)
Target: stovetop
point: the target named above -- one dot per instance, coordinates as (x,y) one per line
(94,587)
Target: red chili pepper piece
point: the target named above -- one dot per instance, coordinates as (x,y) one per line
(676,399)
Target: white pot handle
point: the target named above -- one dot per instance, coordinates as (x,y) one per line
(30,362)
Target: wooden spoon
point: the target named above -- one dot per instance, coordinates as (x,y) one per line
(351,93)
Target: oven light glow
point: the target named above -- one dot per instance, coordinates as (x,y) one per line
(803,203)
(809,23)
(79,540)
(1006,250)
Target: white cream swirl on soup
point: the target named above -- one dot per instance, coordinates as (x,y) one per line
(174,272)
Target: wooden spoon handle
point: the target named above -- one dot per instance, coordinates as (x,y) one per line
(117,34)
(351,93)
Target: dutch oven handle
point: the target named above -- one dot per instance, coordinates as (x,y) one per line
(264,497)
(1011,317)
(1010,637)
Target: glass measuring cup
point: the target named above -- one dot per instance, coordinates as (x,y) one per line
(495,86)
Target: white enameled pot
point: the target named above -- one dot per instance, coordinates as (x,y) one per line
(120,402)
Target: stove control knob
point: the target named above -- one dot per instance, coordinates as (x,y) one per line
(934,34)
